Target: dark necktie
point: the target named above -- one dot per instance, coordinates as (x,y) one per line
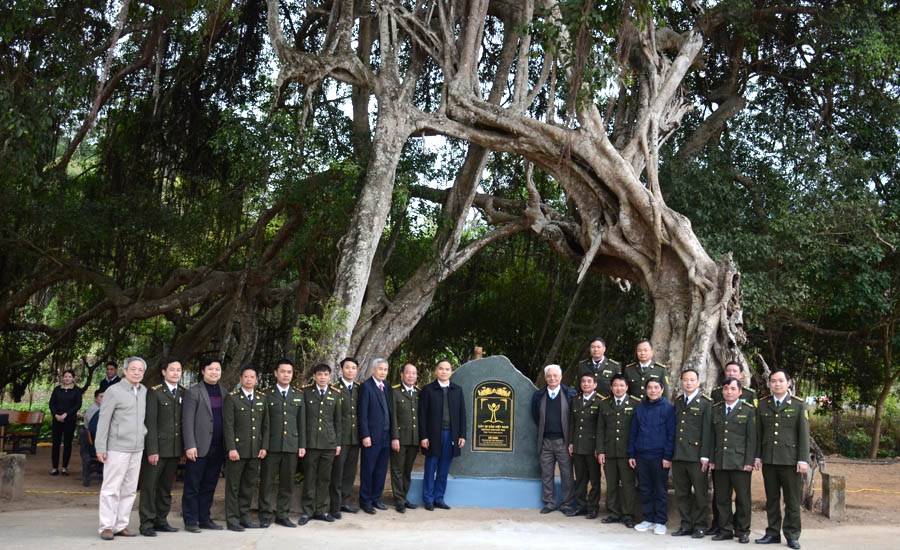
(173,391)
(727,410)
(618,402)
(284,394)
(686,401)
(321,393)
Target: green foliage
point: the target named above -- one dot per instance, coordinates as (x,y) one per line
(310,331)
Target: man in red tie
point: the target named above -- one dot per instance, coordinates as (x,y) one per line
(374,412)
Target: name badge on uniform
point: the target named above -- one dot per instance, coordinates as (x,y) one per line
(628,408)
(742,416)
(329,398)
(297,400)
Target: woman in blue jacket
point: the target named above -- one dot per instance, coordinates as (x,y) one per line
(651,443)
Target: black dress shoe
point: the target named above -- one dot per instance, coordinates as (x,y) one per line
(575,512)
(285,522)
(744,539)
(429,506)
(211,525)
(349,509)
(303,520)
(722,535)
(610,519)
(368,509)
(698,534)
(714,531)
(411,506)
(236,527)
(165,528)
(591,515)
(401,508)
(380,505)
(442,505)
(148,532)
(768,539)
(546,510)
(192,528)
(324,517)
(629,523)
(681,533)
(336,515)
(249,525)
(795,544)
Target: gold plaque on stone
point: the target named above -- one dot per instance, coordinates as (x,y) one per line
(493,417)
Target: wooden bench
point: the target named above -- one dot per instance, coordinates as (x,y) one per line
(23,425)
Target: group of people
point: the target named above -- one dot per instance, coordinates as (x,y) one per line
(259,438)
(621,421)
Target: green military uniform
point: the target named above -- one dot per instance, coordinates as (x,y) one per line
(735,447)
(246,430)
(405,429)
(748,396)
(638,376)
(323,436)
(583,430)
(602,371)
(343,470)
(287,435)
(163,422)
(783,441)
(693,441)
(613,427)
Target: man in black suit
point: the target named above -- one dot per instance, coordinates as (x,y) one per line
(442,425)
(202,422)
(374,412)
(112,376)
(551,409)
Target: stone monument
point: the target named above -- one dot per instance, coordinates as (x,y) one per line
(498,466)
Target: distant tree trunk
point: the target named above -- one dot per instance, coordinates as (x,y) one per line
(890,378)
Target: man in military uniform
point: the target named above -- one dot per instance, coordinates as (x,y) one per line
(733,369)
(735,448)
(784,455)
(404,435)
(287,443)
(613,426)
(163,448)
(600,366)
(245,420)
(343,470)
(645,369)
(323,443)
(583,446)
(693,447)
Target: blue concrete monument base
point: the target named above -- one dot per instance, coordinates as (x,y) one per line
(485,492)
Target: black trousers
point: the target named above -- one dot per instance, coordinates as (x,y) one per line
(62,433)
(200,479)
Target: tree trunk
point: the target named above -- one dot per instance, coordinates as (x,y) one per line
(890,377)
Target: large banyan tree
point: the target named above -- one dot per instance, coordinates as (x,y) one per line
(586,92)
(588,96)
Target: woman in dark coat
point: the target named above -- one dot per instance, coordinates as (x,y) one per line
(65,402)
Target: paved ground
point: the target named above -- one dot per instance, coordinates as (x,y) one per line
(75,528)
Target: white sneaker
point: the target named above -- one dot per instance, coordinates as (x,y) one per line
(643,526)
(660,529)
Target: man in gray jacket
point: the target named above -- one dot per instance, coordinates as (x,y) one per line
(120,444)
(203,428)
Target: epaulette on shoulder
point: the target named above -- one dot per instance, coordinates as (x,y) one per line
(704,396)
(638,399)
(717,404)
(306,387)
(418,388)
(767,396)
(336,389)
(261,394)
(236,392)
(156,387)
(630,365)
(604,397)
(797,397)
(395,387)
(661,365)
(749,404)
(180,387)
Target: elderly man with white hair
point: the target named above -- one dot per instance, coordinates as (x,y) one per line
(551,409)
(120,444)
